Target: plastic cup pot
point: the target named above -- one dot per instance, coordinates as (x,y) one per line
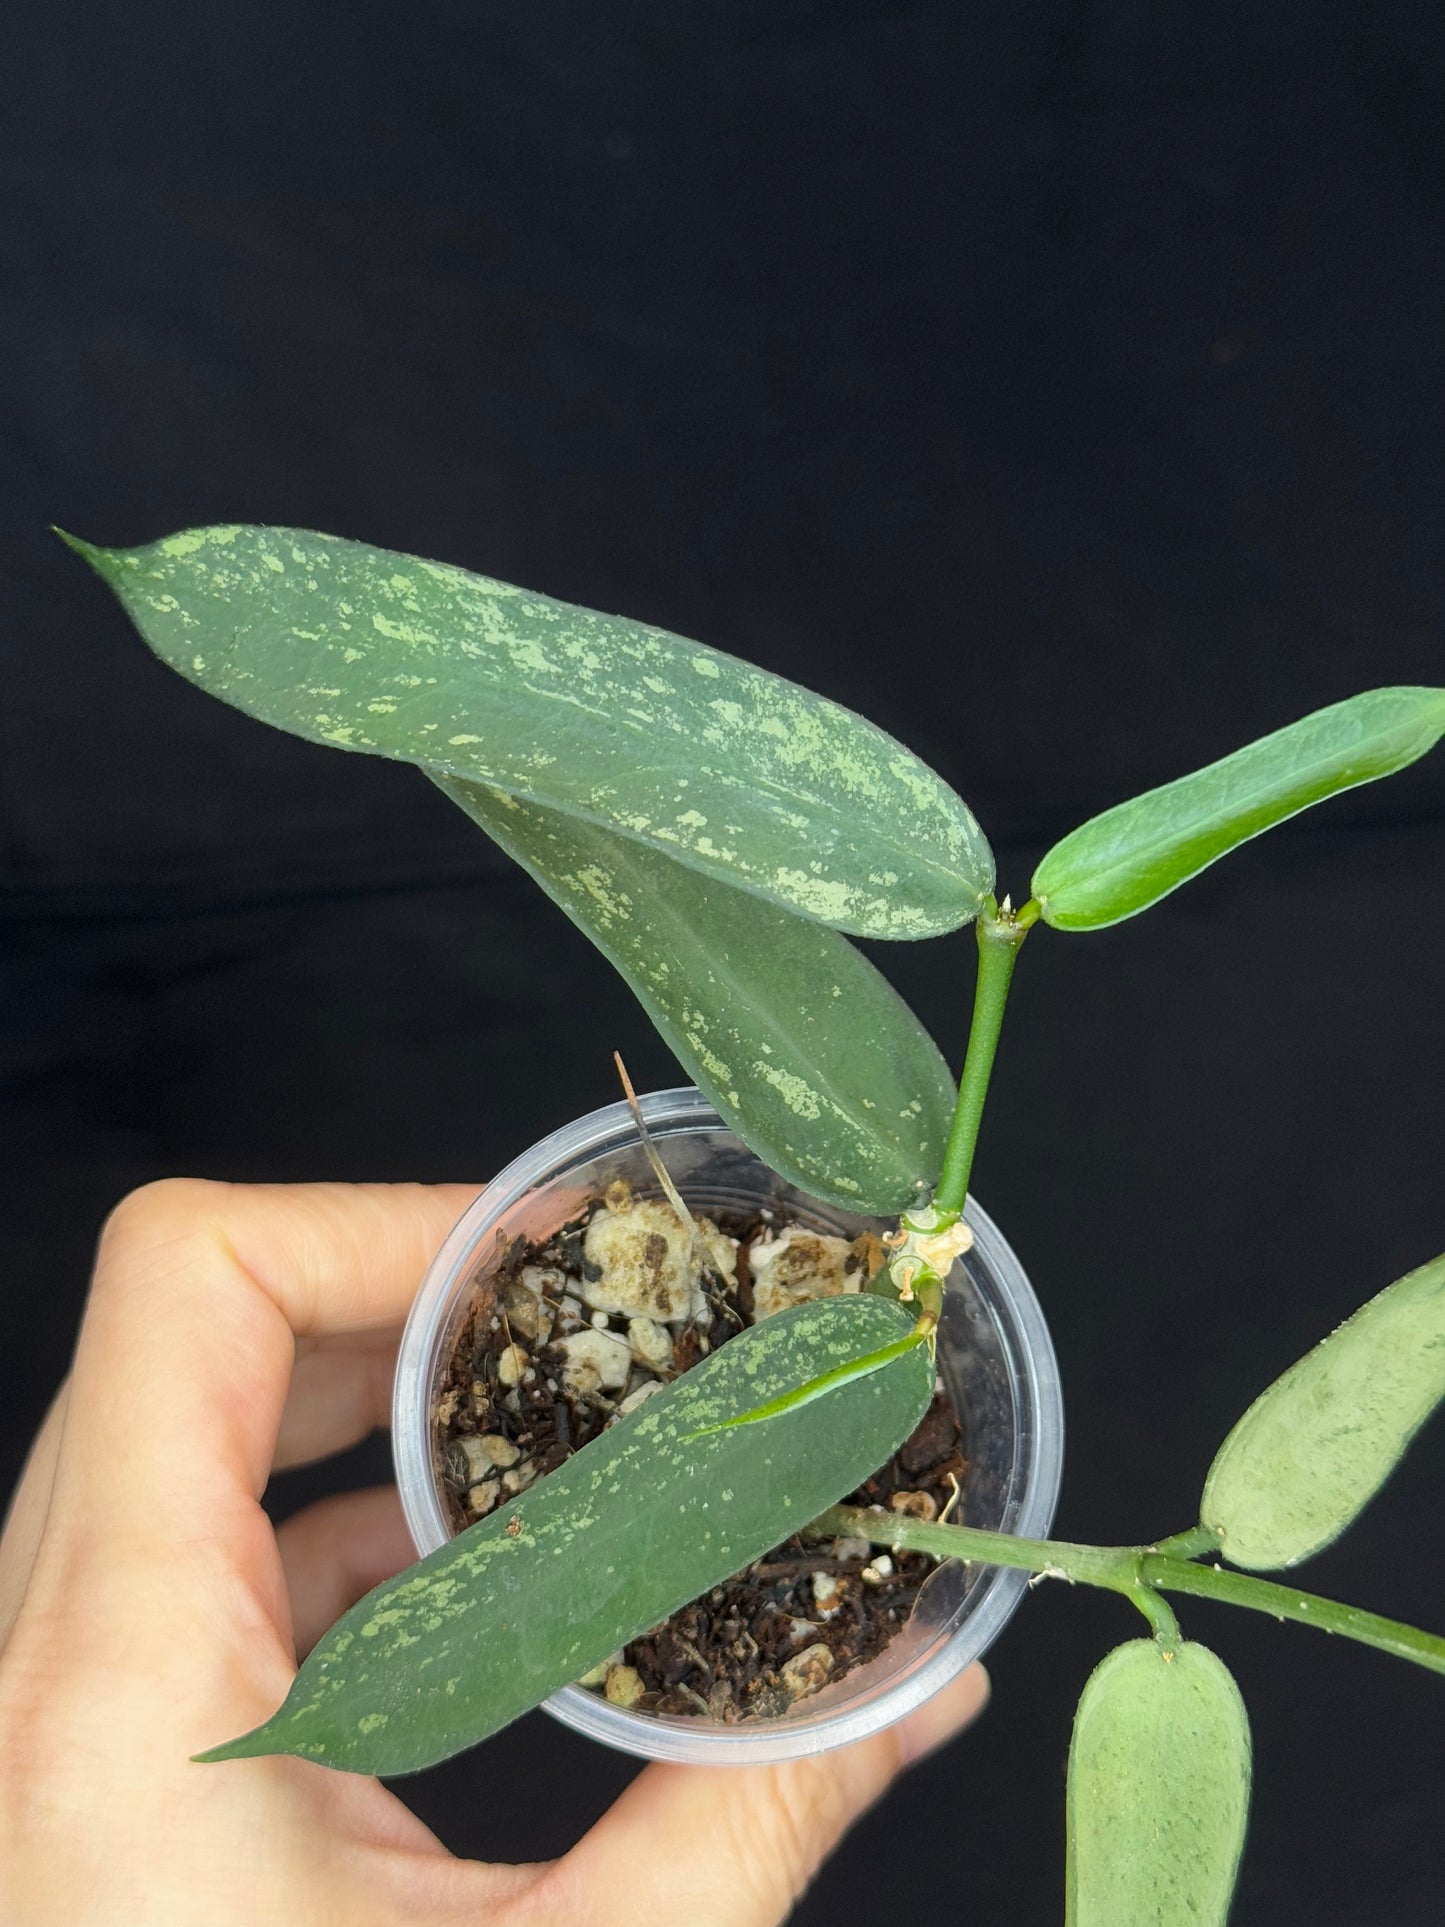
(994,1354)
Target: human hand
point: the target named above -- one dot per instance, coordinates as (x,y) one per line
(148,1610)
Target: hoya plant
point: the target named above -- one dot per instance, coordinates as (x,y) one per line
(720,834)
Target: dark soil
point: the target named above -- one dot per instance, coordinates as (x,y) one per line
(803,1616)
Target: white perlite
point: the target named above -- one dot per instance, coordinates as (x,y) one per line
(806,1672)
(852,1551)
(647,1262)
(624,1686)
(486,1453)
(797,1265)
(526,1316)
(544,1281)
(639,1395)
(511,1364)
(827,1593)
(651,1344)
(481,1498)
(595,1362)
(599,1672)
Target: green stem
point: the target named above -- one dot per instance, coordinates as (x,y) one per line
(1054,1558)
(1160,1615)
(1000,932)
(1304,1608)
(1133,1571)
(1188,1545)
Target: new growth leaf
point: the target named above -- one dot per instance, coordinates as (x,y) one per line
(1119,863)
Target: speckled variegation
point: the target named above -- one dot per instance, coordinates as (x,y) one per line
(633,1526)
(811,1056)
(735,772)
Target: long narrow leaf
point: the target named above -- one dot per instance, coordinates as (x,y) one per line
(1158,1798)
(810,1055)
(1119,863)
(1316,1447)
(636,1524)
(737,773)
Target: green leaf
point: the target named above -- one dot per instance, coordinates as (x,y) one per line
(1119,863)
(737,773)
(630,1528)
(1318,1445)
(1158,1797)
(813,1059)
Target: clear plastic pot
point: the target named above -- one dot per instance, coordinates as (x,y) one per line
(994,1352)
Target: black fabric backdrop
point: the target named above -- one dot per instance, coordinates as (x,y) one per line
(1058,383)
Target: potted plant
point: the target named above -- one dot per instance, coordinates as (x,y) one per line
(720,835)
(993,1354)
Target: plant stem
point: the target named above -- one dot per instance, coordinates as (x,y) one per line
(1052,1558)
(1304,1608)
(1000,932)
(1160,1615)
(1188,1545)
(1134,1571)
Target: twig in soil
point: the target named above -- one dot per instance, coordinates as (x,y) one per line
(664,1177)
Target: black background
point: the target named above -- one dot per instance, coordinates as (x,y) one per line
(1058,383)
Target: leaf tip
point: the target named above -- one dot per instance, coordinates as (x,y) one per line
(103,561)
(246,1746)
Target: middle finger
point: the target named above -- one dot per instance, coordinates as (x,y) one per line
(340,1391)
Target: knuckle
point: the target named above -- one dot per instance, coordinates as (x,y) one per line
(791,1827)
(807,1816)
(554,1892)
(149,1232)
(158,1210)
(813,1802)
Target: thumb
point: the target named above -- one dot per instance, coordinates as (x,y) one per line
(735,1846)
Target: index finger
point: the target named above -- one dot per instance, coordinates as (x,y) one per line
(200,1292)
